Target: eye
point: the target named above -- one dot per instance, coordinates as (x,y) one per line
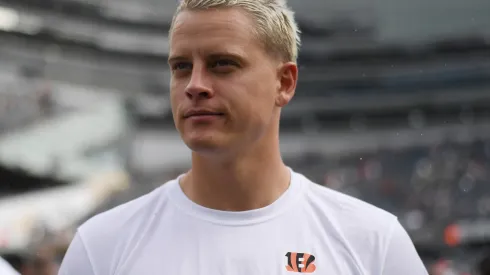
(223,63)
(181,66)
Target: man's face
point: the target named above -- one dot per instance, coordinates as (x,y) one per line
(224,86)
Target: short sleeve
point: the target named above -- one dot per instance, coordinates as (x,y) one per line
(401,256)
(76,260)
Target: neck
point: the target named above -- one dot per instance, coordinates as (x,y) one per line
(253,179)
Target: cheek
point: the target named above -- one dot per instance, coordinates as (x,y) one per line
(173,98)
(176,99)
(173,103)
(253,107)
(263,98)
(176,95)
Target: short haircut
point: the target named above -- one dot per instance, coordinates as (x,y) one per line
(275,26)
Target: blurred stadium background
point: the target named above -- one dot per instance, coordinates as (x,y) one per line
(393,107)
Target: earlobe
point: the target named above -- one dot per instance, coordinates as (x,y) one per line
(282,100)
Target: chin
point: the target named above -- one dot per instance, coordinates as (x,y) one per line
(204,144)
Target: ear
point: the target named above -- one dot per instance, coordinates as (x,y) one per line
(287,81)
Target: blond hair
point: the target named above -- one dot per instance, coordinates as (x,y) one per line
(275,26)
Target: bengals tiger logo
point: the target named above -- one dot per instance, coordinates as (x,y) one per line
(300,262)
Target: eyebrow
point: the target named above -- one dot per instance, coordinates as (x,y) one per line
(226,54)
(230,55)
(173,59)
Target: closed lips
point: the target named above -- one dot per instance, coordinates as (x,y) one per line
(202,113)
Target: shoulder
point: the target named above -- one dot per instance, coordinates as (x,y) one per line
(125,220)
(347,210)
(106,238)
(364,230)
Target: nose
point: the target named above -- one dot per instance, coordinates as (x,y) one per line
(198,86)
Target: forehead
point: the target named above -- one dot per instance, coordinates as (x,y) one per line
(210,30)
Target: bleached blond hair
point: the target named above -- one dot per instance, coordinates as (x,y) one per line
(275,26)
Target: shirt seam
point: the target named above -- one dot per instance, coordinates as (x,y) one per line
(390,239)
(82,241)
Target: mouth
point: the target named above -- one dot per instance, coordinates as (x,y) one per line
(202,114)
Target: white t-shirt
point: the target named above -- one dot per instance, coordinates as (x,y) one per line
(309,226)
(6,268)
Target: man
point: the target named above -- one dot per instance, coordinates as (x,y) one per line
(6,268)
(239,210)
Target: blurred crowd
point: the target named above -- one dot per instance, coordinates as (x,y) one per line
(24,102)
(443,182)
(43,258)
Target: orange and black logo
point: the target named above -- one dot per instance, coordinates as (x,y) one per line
(300,262)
